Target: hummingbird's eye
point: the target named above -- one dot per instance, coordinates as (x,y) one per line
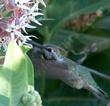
(49,49)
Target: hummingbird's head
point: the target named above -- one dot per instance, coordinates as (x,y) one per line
(52,52)
(48,51)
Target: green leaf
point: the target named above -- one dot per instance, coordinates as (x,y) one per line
(14,76)
(4,85)
(30,70)
(29,64)
(25,48)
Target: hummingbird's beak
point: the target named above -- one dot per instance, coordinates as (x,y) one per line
(38,47)
(35,44)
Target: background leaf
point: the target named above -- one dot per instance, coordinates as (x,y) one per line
(62,32)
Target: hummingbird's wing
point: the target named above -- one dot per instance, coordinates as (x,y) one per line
(90,83)
(84,73)
(67,70)
(74,75)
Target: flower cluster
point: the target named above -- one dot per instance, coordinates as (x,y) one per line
(15,17)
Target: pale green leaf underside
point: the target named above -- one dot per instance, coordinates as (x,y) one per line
(14,79)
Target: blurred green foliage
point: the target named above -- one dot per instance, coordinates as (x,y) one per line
(66,24)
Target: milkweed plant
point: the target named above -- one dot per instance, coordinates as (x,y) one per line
(16,69)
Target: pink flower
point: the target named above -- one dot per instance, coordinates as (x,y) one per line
(23,12)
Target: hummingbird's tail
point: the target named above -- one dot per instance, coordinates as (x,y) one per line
(99,94)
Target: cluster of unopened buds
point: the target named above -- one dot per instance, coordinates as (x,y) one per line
(15,17)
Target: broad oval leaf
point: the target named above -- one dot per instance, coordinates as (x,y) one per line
(14,79)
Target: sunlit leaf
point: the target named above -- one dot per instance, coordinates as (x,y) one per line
(14,78)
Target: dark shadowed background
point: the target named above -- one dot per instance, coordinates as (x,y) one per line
(75,25)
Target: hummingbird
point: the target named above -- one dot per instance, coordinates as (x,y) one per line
(73,74)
